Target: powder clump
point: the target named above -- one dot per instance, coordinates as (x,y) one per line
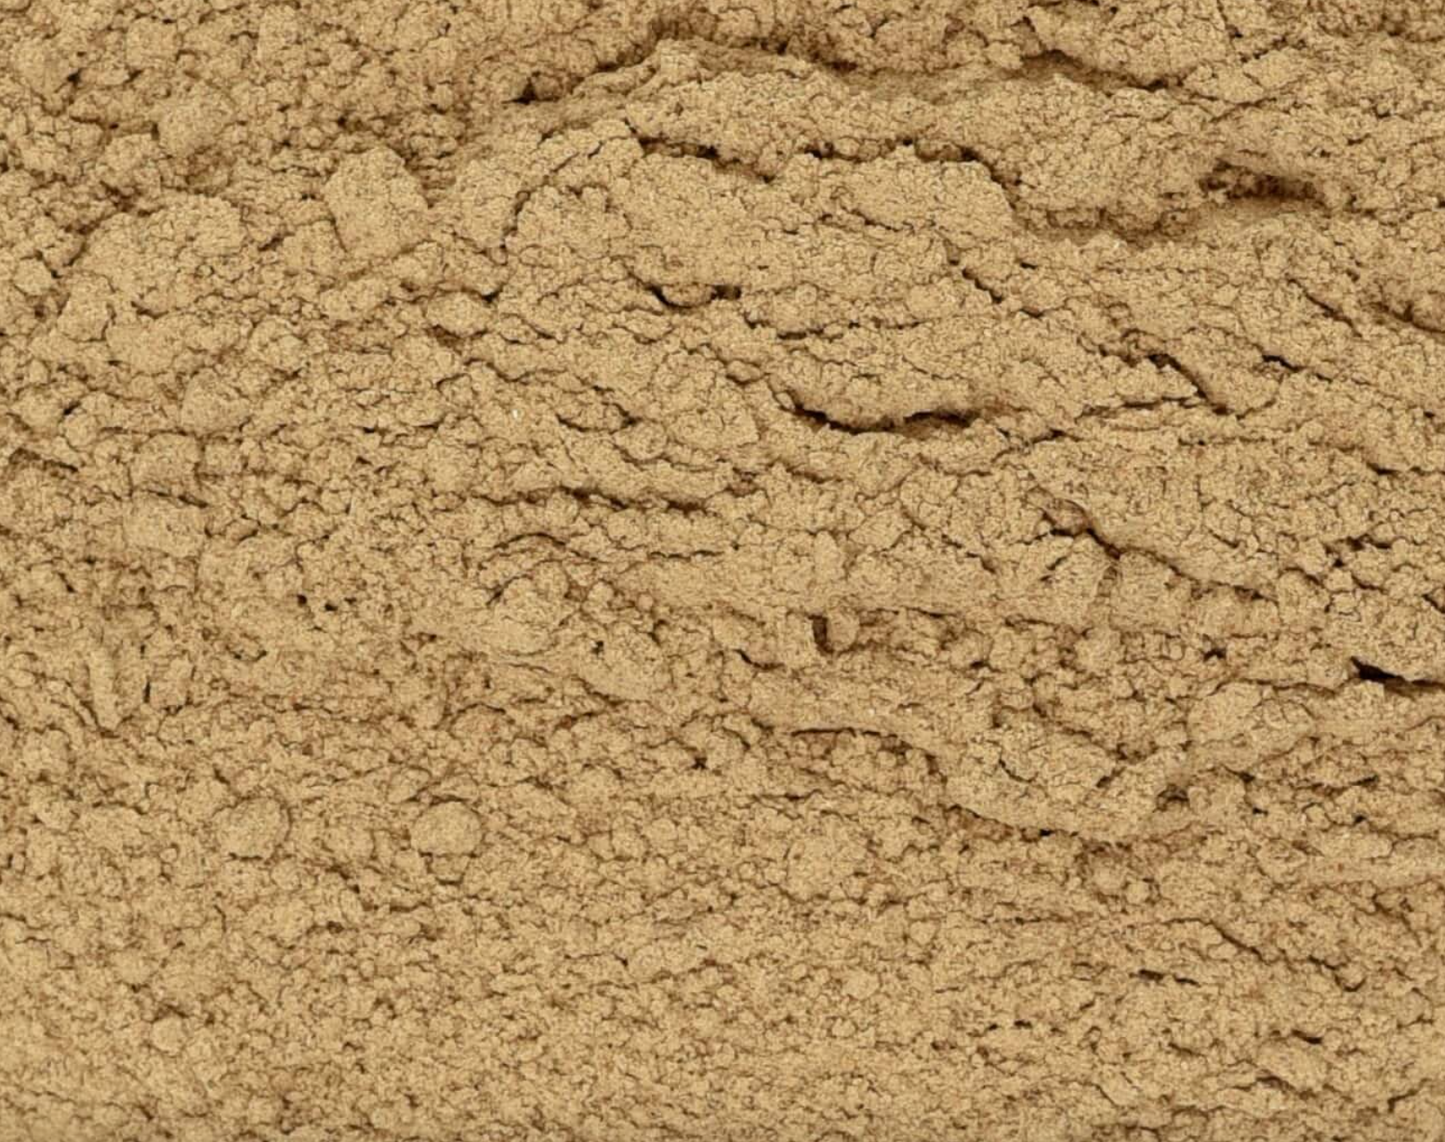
(376,203)
(253,829)
(448,829)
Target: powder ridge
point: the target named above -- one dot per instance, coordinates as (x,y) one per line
(657,569)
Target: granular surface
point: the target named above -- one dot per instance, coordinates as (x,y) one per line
(722,569)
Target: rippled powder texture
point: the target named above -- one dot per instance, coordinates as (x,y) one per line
(722,570)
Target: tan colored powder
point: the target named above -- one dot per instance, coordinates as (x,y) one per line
(766,569)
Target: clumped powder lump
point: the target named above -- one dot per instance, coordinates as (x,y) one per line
(722,569)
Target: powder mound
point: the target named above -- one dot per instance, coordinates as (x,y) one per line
(651,570)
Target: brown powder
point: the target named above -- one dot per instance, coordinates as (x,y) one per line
(613,569)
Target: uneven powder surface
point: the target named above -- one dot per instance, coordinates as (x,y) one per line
(722,569)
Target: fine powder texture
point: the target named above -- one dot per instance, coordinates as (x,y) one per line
(723,570)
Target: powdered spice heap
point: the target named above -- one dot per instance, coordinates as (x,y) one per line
(651,569)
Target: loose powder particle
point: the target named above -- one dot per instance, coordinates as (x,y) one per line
(682,569)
